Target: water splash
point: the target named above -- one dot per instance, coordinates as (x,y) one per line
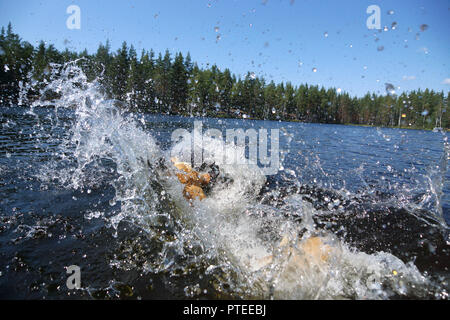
(233,233)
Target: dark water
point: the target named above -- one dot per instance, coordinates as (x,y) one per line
(375,190)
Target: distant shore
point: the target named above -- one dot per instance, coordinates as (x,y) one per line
(222,116)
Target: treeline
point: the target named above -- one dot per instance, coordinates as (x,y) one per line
(174,84)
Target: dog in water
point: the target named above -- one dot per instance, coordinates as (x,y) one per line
(312,250)
(194,181)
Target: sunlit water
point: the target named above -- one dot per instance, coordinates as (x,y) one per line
(81,185)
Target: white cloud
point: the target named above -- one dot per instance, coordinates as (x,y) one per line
(446,81)
(408,78)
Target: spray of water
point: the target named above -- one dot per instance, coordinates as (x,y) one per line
(251,248)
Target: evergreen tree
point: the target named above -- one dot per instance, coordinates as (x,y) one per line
(226,87)
(179,84)
(148,84)
(119,73)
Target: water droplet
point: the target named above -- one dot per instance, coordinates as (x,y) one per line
(325,34)
(314,69)
(424,113)
(266,44)
(390,89)
(365,67)
(252,76)
(380,48)
(218,38)
(423,27)
(390,12)
(339,90)
(6,68)
(274,110)
(394,25)
(216,29)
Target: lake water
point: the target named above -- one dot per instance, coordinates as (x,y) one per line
(81,185)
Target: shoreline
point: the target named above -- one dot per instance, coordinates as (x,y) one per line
(257,119)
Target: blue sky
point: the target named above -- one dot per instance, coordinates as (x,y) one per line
(282,40)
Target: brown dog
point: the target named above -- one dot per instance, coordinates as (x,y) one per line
(311,251)
(193,180)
